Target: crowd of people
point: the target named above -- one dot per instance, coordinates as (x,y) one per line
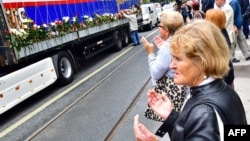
(209,96)
(202,28)
(237,24)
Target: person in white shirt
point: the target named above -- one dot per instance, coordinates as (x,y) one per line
(161,74)
(159,64)
(133,26)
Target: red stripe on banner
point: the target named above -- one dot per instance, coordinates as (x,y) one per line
(24,3)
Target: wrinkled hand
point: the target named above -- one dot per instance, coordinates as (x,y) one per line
(160,104)
(158,41)
(149,47)
(141,132)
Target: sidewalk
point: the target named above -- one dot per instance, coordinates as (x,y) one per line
(242,79)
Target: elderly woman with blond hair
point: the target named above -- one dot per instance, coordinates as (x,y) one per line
(200,61)
(160,72)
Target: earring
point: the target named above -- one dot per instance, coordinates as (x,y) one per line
(204,77)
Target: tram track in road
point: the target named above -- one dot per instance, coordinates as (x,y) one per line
(123,117)
(84,95)
(110,135)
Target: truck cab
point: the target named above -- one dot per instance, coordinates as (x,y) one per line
(149,16)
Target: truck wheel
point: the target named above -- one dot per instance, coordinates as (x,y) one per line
(65,69)
(126,39)
(117,40)
(150,26)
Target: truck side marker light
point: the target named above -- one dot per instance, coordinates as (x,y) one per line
(17,87)
(1,95)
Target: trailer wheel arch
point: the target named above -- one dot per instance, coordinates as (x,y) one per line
(65,68)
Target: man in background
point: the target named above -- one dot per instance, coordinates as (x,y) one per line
(240,39)
(244,9)
(129,14)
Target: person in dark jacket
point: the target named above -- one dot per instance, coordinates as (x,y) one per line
(210,97)
(207,4)
(244,4)
(184,12)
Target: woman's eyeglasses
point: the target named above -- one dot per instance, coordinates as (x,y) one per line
(160,26)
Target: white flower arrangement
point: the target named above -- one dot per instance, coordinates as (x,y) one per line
(31,32)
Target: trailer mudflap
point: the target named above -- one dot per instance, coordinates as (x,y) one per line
(7,57)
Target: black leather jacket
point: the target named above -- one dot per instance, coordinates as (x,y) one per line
(197,121)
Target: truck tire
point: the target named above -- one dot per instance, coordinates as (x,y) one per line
(126,38)
(65,69)
(150,26)
(117,36)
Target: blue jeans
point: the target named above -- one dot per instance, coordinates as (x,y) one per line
(135,37)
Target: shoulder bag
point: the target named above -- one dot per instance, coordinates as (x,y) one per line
(176,93)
